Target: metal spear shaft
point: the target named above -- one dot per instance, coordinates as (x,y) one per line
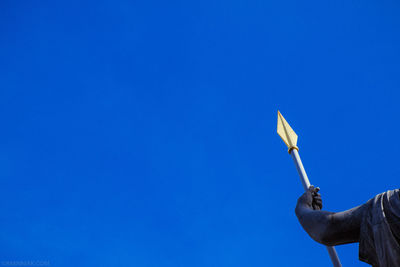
(290,138)
(306,184)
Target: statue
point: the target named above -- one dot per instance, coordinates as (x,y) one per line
(375,225)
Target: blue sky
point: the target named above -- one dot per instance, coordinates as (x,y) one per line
(143,133)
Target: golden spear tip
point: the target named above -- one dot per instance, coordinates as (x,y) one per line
(286,133)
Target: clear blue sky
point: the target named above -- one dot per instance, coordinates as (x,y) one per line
(143,133)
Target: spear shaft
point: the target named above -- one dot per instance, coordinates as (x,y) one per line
(290,138)
(306,184)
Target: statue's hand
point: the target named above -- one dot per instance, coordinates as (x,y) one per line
(311,198)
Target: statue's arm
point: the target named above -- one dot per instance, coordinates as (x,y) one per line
(328,228)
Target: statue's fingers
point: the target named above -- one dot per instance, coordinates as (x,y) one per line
(317,196)
(315,191)
(317,204)
(318,201)
(311,190)
(316,207)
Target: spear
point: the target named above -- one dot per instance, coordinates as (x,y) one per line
(290,138)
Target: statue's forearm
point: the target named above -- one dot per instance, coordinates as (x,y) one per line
(331,228)
(314,222)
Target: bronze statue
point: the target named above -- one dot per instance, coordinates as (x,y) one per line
(375,225)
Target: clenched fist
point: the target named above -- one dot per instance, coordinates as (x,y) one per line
(311,198)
